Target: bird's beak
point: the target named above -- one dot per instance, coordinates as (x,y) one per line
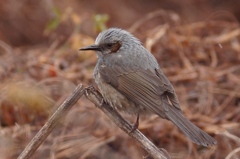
(91,47)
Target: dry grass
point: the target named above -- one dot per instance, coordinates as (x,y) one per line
(202,60)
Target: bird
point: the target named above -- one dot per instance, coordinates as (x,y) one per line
(131,80)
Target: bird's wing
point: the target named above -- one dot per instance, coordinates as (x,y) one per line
(150,88)
(144,87)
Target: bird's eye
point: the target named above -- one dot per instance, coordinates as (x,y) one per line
(113,47)
(109,45)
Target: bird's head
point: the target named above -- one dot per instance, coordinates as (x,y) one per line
(113,41)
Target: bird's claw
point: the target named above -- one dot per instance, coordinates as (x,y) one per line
(135,125)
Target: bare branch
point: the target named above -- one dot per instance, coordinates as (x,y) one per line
(52,122)
(93,95)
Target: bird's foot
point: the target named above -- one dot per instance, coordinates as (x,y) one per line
(135,125)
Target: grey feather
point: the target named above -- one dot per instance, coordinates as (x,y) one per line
(131,80)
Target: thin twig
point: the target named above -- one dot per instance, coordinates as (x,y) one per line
(94,96)
(234,152)
(52,122)
(152,15)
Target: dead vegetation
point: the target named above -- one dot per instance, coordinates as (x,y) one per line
(201,59)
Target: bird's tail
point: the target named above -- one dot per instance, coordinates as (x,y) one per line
(189,129)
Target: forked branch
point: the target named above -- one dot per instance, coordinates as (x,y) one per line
(94,96)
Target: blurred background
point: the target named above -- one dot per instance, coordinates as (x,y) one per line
(197,44)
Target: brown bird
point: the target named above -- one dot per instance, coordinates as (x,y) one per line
(131,80)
